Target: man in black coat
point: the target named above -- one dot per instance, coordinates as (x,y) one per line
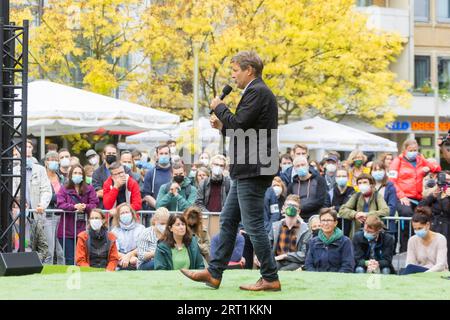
(373,248)
(254,163)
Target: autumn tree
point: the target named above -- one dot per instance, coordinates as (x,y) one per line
(320,57)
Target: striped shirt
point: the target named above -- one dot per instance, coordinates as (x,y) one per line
(147,242)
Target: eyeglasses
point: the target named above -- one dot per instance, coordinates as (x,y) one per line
(118,173)
(327,221)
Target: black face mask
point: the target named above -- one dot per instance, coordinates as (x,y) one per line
(316,232)
(178,179)
(110,159)
(431,183)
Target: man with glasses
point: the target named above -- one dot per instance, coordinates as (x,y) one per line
(121,187)
(213,191)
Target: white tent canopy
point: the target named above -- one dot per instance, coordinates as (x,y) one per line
(210,137)
(318,133)
(56,109)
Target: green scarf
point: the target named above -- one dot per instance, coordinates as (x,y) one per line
(337,234)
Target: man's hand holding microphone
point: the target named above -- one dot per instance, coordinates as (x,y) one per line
(213,120)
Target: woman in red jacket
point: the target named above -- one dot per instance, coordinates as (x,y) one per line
(407,172)
(96,247)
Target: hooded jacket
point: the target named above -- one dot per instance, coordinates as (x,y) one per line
(132,194)
(181,201)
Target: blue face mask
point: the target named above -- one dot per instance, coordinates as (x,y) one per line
(411,155)
(164,160)
(77,179)
(53,165)
(369,236)
(128,165)
(341,182)
(421,233)
(126,218)
(302,172)
(378,175)
(285,167)
(192,174)
(29,163)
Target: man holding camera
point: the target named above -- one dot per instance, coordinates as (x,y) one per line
(439,202)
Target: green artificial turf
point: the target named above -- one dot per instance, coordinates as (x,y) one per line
(60,282)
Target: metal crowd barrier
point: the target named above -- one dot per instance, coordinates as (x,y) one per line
(146,215)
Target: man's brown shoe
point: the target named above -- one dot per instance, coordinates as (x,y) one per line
(262,285)
(202,276)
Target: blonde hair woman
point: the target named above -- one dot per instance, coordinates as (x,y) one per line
(356,161)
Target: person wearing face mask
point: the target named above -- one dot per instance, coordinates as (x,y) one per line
(356,161)
(38,190)
(310,187)
(285,163)
(127,230)
(201,175)
(427,250)
(289,174)
(93,158)
(172,147)
(407,172)
(178,194)
(366,202)
(204,159)
(158,176)
(373,248)
(439,202)
(314,225)
(64,162)
(330,165)
(387,189)
(103,172)
(77,199)
(89,171)
(289,237)
(121,188)
(126,159)
(56,182)
(273,202)
(195,225)
(96,247)
(213,191)
(340,194)
(148,240)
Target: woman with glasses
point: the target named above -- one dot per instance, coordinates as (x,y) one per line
(96,247)
(330,251)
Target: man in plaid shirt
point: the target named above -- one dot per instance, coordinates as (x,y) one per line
(289,236)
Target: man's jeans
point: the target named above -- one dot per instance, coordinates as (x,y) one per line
(245,201)
(50,224)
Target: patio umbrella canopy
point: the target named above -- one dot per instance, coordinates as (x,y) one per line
(318,133)
(57,109)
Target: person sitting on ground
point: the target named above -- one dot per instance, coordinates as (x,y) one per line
(148,239)
(373,248)
(96,247)
(364,203)
(195,225)
(330,251)
(314,225)
(289,237)
(273,202)
(237,260)
(427,250)
(179,194)
(178,249)
(127,231)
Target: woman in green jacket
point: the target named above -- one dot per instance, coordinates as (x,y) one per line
(178,249)
(364,203)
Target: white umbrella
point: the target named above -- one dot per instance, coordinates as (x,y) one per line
(318,133)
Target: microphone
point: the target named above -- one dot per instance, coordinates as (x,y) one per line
(225,91)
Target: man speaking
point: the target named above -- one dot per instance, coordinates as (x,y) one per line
(254,162)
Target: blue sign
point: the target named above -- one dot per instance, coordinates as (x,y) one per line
(399,125)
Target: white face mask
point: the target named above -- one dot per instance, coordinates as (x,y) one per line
(173,150)
(93,161)
(364,188)
(65,162)
(331,167)
(96,224)
(161,227)
(277,190)
(217,171)
(204,161)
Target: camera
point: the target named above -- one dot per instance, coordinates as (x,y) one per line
(441,180)
(446,140)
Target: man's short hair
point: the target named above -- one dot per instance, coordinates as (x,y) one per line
(298,159)
(294,198)
(136,153)
(286,156)
(177,166)
(110,145)
(246,59)
(301,146)
(51,154)
(219,157)
(115,165)
(63,150)
(366,176)
(162,146)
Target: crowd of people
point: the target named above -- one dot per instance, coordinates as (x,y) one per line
(320,215)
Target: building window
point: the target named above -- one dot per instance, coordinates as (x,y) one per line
(421,71)
(443,11)
(444,73)
(422,10)
(364,3)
